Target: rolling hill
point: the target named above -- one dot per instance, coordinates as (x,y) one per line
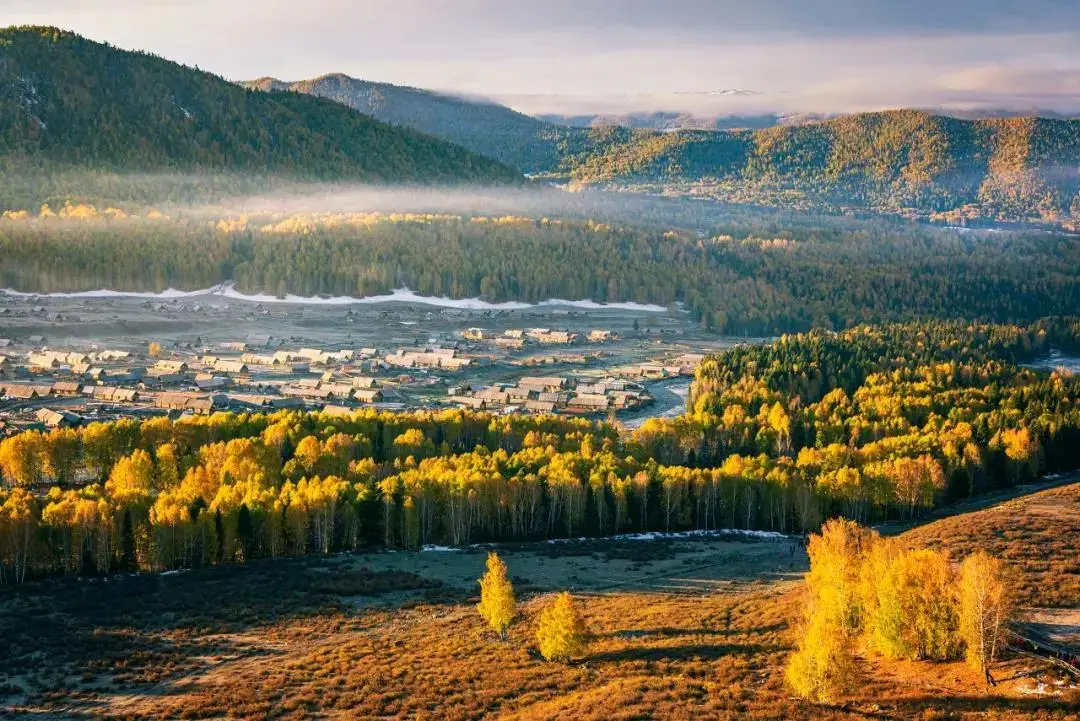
(1004,168)
(69,102)
(484,127)
(1008,168)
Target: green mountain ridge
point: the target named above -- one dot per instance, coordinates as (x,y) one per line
(888,160)
(75,103)
(1014,168)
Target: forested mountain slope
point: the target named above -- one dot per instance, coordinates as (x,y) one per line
(71,102)
(1011,168)
(894,161)
(488,128)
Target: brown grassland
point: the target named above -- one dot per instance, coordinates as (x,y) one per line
(1038,535)
(695,628)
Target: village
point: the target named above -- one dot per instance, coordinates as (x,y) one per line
(49,378)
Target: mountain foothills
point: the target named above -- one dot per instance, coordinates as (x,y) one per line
(903,161)
(70,103)
(1007,168)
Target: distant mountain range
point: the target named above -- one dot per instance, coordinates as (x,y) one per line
(666,121)
(68,102)
(894,161)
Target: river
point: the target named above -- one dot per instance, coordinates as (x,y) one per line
(670,401)
(1056,359)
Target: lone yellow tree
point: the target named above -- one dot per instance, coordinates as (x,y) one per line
(985,605)
(497,603)
(562,634)
(822,666)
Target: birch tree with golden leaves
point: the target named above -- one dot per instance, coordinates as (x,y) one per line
(985,605)
(561,635)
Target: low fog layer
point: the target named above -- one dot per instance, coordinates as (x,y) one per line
(534,202)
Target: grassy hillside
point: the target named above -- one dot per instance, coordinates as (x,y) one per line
(1035,534)
(69,102)
(487,128)
(397,636)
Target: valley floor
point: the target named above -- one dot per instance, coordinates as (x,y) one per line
(683,628)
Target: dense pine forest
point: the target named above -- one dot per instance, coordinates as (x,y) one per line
(875,422)
(70,103)
(825,276)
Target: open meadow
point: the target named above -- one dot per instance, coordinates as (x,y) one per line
(684,627)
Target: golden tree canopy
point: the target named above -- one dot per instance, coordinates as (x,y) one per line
(562,634)
(498,606)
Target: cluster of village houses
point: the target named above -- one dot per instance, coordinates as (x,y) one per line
(553,394)
(517,338)
(261,375)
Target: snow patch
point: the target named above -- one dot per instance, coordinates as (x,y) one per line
(966,229)
(648,536)
(103,293)
(400,295)
(675,535)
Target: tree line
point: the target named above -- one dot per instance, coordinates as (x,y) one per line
(870,423)
(747,284)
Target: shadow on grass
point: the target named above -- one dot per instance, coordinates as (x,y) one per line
(672,632)
(985,706)
(138,632)
(682,653)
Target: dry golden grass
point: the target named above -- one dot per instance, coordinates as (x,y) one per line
(322,638)
(1038,535)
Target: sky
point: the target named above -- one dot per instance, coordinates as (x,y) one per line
(707,57)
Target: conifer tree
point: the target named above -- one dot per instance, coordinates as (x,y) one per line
(562,634)
(245,532)
(498,606)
